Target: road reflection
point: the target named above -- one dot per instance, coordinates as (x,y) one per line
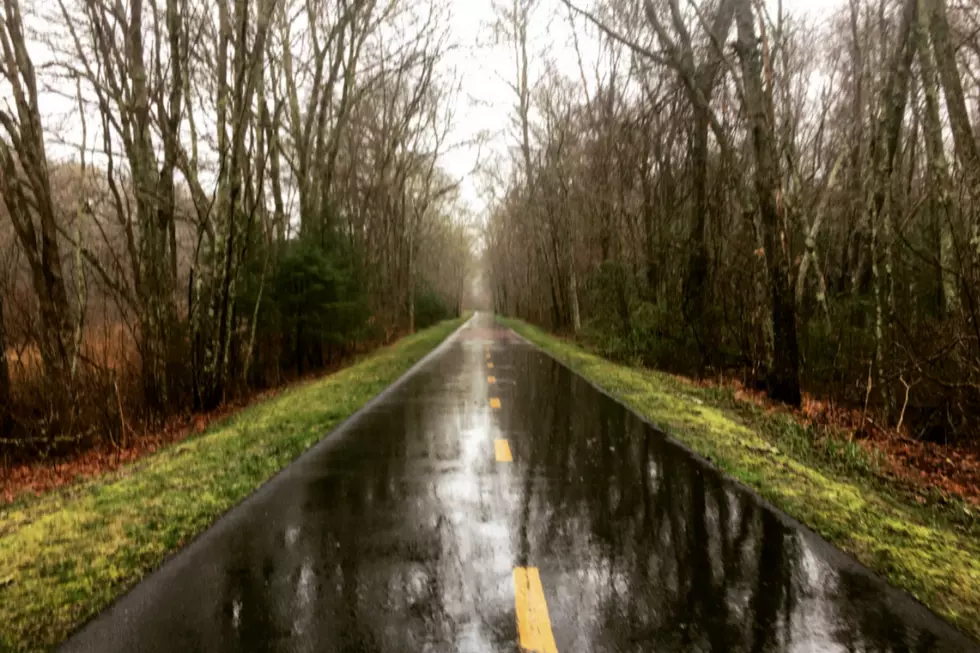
(646,548)
(401,533)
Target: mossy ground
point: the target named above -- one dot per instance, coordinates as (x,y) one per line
(828,484)
(66,555)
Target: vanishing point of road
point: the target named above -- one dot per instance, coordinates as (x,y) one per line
(492,500)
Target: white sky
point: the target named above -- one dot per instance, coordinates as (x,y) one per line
(486,101)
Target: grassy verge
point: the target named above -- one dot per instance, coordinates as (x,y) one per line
(829,487)
(66,555)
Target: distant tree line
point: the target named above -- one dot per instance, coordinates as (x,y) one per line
(725,187)
(245,191)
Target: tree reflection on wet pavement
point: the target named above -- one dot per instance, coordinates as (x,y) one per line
(406,530)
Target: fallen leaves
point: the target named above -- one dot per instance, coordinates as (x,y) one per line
(40,477)
(924,468)
(929,466)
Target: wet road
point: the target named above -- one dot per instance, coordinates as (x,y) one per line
(494,501)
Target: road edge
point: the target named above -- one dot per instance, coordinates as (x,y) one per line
(898,598)
(230,515)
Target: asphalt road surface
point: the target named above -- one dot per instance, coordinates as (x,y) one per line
(494,501)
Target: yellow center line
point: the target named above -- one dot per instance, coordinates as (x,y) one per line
(489,366)
(533,623)
(501,448)
(494,402)
(491,379)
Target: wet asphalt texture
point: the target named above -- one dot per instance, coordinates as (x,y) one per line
(401,531)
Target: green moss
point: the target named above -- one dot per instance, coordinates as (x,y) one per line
(828,484)
(66,555)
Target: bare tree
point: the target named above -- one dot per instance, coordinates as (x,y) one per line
(851,258)
(785,379)
(25,190)
(699,80)
(258,188)
(5,397)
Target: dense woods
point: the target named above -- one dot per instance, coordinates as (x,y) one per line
(726,187)
(198,199)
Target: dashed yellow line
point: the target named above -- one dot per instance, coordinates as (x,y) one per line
(533,622)
(501,449)
(489,366)
(495,403)
(491,379)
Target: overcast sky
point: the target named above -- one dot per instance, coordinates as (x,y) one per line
(484,67)
(486,102)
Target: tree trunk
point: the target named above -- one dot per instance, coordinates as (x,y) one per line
(811,255)
(26,189)
(964,141)
(573,293)
(234,102)
(5,420)
(695,291)
(649,240)
(940,188)
(785,374)
(699,83)
(411,278)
